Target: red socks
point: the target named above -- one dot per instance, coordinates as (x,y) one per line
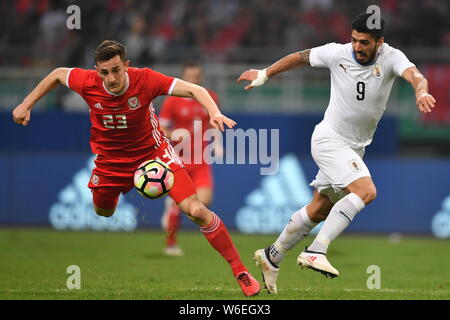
(217,235)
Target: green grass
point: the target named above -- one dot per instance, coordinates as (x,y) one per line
(33,265)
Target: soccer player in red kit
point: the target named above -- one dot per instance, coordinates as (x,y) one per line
(125,132)
(189,119)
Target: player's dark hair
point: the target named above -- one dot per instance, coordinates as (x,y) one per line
(360,24)
(108,49)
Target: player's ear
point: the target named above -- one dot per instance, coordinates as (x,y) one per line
(126,64)
(380,42)
(97,68)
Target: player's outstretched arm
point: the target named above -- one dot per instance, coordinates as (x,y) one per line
(190,90)
(424,101)
(21,114)
(289,62)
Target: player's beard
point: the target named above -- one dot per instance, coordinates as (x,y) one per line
(372,55)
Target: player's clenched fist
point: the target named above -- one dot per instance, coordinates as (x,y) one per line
(256,77)
(425,102)
(218,120)
(21,115)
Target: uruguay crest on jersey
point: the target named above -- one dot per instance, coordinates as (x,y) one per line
(354,165)
(377,71)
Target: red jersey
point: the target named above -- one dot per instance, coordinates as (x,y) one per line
(178,112)
(123,125)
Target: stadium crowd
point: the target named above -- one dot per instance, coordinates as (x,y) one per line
(34,32)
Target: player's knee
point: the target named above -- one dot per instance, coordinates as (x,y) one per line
(363,188)
(322,214)
(318,211)
(371,194)
(368,194)
(319,214)
(196,211)
(104,212)
(199,211)
(105,201)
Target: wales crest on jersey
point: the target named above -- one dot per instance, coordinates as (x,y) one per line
(133,103)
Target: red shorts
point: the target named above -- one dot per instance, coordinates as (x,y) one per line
(201,175)
(111,177)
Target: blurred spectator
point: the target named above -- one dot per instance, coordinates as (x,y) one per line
(136,39)
(33,32)
(52,34)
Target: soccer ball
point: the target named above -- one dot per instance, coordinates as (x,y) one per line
(153,179)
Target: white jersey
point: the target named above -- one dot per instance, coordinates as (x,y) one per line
(359,93)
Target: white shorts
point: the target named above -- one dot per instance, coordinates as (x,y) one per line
(339,164)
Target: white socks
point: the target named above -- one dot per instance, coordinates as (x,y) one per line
(296,230)
(300,225)
(339,218)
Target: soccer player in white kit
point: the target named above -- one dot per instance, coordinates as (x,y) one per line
(362,74)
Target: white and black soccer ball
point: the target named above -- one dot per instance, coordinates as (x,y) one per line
(153,179)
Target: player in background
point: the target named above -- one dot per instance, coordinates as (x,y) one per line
(178,114)
(125,132)
(362,74)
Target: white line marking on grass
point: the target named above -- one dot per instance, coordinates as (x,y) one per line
(378,290)
(142,290)
(398,290)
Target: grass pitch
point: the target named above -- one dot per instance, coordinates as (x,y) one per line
(33,265)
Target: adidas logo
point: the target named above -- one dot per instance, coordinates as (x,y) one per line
(311,258)
(75,211)
(268,208)
(440,224)
(98,105)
